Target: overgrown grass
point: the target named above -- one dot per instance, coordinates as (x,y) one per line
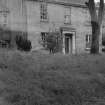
(39,79)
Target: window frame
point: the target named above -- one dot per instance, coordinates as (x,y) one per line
(43,37)
(67,15)
(4,16)
(43,12)
(88,40)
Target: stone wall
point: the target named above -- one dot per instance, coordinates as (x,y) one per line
(16,17)
(26,17)
(56,15)
(80,19)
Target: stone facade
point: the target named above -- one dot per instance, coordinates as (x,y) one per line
(25,15)
(79,18)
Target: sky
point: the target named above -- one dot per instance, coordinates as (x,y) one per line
(98,0)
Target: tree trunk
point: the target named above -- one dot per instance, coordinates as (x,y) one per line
(100,40)
(95,37)
(96,22)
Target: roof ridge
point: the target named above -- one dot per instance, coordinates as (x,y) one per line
(79,2)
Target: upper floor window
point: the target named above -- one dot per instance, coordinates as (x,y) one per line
(43,11)
(3,19)
(67,15)
(88,41)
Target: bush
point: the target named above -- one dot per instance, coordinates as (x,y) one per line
(23,43)
(53,42)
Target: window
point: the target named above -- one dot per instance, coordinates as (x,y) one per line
(67,15)
(43,37)
(3,19)
(43,11)
(88,41)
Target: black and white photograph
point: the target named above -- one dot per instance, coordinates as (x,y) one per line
(52,52)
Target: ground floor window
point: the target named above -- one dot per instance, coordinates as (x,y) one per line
(43,37)
(88,41)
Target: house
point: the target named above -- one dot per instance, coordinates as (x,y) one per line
(38,17)
(71,16)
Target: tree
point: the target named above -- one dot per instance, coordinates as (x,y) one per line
(53,42)
(103,39)
(96,22)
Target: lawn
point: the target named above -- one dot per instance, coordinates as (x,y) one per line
(43,79)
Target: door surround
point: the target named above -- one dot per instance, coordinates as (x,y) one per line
(73,47)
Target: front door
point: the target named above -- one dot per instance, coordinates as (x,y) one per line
(68,43)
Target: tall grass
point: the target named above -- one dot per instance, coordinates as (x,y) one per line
(38,79)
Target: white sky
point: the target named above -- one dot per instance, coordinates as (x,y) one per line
(98,0)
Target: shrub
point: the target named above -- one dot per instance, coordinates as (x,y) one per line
(53,42)
(23,43)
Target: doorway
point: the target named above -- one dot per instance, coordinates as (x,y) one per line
(68,43)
